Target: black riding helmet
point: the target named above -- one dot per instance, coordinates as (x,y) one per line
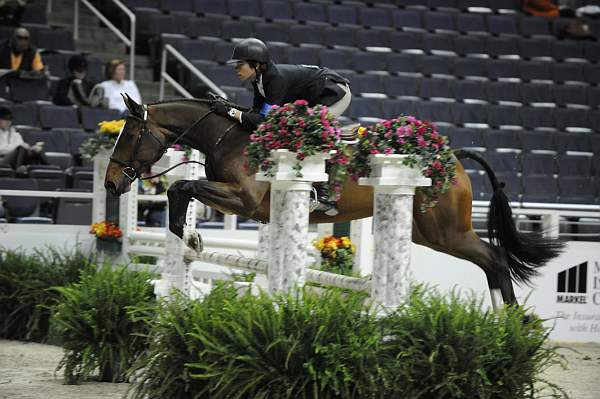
(250,49)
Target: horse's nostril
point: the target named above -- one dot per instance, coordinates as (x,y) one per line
(110,186)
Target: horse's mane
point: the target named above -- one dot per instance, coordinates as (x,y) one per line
(200,101)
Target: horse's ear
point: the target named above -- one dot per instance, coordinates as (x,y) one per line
(133,107)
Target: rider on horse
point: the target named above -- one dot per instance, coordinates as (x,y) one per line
(277,84)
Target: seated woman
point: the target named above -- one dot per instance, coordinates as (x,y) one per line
(116,84)
(277,84)
(14,152)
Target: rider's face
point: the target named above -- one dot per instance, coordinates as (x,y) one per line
(244,71)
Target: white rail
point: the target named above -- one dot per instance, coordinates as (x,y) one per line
(129,41)
(46,194)
(164,76)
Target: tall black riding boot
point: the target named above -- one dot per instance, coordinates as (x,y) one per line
(325,205)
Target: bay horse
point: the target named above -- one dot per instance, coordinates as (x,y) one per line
(151,129)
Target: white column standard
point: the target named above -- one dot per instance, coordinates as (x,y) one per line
(394,185)
(289,217)
(99,201)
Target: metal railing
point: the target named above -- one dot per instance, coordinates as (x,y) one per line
(129,41)
(164,76)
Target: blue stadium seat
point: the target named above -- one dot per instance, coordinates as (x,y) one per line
(535,117)
(433,111)
(58,116)
(335,59)
(571,165)
(372,38)
(22,209)
(593,94)
(503,24)
(302,55)
(503,91)
(193,49)
(364,108)
(535,70)
(407,19)
(503,69)
(439,42)
(339,36)
(469,23)
(22,90)
(26,114)
(206,7)
(307,34)
(170,6)
(312,13)
(567,72)
(577,190)
(366,83)
(223,51)
(394,108)
(272,32)
(571,118)
(469,113)
(565,49)
(579,142)
(591,73)
(470,67)
(399,86)
(342,14)
(375,18)
(409,63)
(569,94)
(364,61)
(404,40)
(90,117)
(448,5)
(470,90)
(535,27)
(503,161)
(502,139)
(535,48)
(538,164)
(462,137)
(591,51)
(595,146)
(513,186)
(434,65)
(434,87)
(501,115)
(502,46)
(277,11)
(540,189)
(536,93)
(439,21)
(470,45)
(236,29)
(535,140)
(244,9)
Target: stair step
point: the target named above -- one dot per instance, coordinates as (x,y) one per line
(100,46)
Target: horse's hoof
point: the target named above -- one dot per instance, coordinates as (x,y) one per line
(193,240)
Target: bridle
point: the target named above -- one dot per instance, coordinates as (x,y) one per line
(129,170)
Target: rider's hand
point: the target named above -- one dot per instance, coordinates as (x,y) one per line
(220,108)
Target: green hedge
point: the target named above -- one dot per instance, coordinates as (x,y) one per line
(94,321)
(25,282)
(242,346)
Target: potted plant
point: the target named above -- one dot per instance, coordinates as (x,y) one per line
(304,132)
(108,236)
(337,254)
(422,146)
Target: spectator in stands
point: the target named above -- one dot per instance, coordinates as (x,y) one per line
(75,89)
(11,11)
(115,84)
(18,54)
(277,84)
(14,152)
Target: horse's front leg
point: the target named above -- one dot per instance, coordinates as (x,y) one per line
(227,197)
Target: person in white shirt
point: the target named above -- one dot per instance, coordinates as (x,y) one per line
(116,84)
(14,152)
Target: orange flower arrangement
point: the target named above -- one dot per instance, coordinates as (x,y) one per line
(105,230)
(337,254)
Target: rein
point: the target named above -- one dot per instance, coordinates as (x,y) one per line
(132,173)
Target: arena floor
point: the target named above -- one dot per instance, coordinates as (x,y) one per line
(27,372)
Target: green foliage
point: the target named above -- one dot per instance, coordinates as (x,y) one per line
(243,346)
(444,347)
(25,281)
(93,319)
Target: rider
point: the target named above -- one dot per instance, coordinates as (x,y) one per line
(277,84)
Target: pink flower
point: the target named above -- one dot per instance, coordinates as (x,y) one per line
(437,165)
(301,102)
(388,151)
(421,142)
(301,123)
(411,119)
(374,151)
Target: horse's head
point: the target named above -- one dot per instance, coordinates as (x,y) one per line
(141,143)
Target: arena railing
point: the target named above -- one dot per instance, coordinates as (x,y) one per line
(164,75)
(129,41)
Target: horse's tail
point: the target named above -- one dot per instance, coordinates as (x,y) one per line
(525,252)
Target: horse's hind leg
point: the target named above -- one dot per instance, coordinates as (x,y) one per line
(491,260)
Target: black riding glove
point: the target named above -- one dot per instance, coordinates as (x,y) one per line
(219,108)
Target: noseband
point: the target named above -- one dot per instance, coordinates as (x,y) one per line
(129,170)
